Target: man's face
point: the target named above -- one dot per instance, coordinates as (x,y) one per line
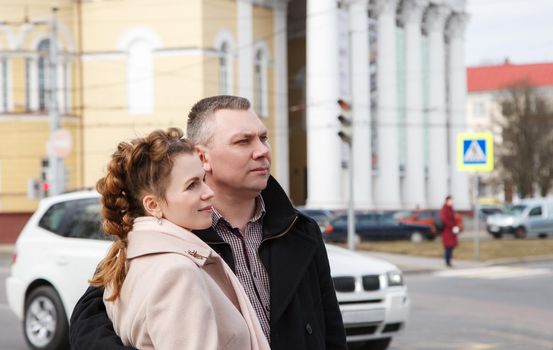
(238,156)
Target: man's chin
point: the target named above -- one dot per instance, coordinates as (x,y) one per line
(260,184)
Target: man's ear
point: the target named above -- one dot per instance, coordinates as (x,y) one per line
(203,153)
(152,206)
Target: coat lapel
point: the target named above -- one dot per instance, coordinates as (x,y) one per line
(287,260)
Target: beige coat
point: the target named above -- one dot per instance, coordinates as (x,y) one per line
(180,294)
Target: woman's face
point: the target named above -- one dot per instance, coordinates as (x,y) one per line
(187,197)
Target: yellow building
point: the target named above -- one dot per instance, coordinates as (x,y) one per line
(125,68)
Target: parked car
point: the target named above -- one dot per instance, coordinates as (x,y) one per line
(373,298)
(528,218)
(321,216)
(376,226)
(485,211)
(62,243)
(430,218)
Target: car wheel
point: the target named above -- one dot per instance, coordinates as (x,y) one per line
(377,344)
(45,324)
(520,232)
(497,235)
(542,235)
(416,237)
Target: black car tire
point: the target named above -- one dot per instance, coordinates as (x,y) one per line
(497,235)
(377,344)
(520,232)
(45,325)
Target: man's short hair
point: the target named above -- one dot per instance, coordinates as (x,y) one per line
(198,130)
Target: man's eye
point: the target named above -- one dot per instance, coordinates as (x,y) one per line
(264,138)
(243,141)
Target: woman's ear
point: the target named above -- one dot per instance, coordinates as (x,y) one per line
(203,154)
(152,206)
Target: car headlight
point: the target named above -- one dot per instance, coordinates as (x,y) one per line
(394,278)
(510,221)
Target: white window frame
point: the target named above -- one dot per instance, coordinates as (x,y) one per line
(140,77)
(261,78)
(224,45)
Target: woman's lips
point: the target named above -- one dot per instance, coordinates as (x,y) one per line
(206,209)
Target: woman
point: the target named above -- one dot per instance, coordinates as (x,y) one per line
(164,287)
(449,229)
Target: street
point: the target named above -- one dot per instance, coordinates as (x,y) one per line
(506,307)
(497,307)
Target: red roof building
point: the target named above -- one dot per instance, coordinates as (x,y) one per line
(498,77)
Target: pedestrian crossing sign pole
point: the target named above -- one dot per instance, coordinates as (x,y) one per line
(475,154)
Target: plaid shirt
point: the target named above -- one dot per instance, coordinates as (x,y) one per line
(249,269)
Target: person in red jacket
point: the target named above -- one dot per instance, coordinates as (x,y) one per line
(449,229)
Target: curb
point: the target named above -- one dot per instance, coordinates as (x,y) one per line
(522,259)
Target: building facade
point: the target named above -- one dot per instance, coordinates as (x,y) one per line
(401,64)
(127,67)
(486,86)
(124,69)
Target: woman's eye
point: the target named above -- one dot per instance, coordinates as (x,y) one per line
(191,186)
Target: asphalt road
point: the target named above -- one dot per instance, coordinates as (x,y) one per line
(506,307)
(490,308)
(11,334)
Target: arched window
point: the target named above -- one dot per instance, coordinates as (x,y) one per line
(140,77)
(224,45)
(224,70)
(42,73)
(260,81)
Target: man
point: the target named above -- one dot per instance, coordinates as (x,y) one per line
(277,253)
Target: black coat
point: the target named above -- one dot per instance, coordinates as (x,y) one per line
(304,310)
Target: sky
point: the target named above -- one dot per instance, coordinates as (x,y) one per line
(520,30)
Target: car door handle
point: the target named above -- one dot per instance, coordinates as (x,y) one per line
(62,261)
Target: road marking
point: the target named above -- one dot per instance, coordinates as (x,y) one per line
(494,272)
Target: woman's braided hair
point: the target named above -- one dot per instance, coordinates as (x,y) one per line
(139,167)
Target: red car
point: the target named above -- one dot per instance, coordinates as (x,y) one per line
(431,218)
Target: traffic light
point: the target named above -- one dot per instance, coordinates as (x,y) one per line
(345,121)
(44,183)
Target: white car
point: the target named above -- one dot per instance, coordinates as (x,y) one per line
(62,243)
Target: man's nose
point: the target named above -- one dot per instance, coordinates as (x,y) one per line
(262,149)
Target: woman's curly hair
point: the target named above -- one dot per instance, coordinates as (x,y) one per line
(139,167)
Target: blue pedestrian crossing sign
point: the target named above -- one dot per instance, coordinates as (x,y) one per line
(475,151)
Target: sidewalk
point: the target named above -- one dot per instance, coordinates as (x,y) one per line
(417,264)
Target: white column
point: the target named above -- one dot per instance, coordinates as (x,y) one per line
(437,131)
(361,111)
(414,194)
(457,98)
(387,189)
(245,49)
(281,97)
(322,81)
